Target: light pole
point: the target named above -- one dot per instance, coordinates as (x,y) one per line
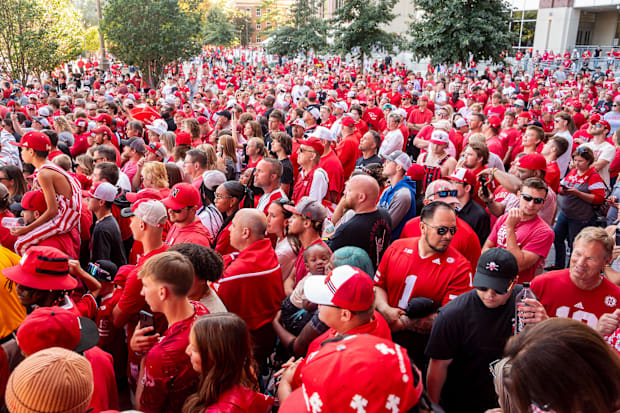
(105,64)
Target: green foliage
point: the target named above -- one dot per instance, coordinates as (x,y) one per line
(452,31)
(218,27)
(37,36)
(271,16)
(244,29)
(91,39)
(152,33)
(305,31)
(359,25)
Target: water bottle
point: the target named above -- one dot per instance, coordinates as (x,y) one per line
(12,223)
(521,307)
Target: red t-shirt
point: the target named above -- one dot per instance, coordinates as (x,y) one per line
(533,236)
(403,274)
(562,298)
(169,378)
(348,152)
(332,165)
(105,393)
(239,399)
(552,176)
(195,233)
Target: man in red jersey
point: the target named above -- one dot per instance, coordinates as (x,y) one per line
(252,270)
(580,292)
(267,177)
(182,204)
(166,374)
(421,267)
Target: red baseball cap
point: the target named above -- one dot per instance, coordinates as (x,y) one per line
(56,327)
(347,372)
(347,121)
(202,120)
(495,121)
(312,94)
(424,98)
(42,268)
(533,161)
(183,138)
(345,287)
(104,117)
(104,130)
(34,201)
(35,140)
(148,193)
(463,175)
(525,114)
(181,196)
(595,118)
(81,122)
(416,172)
(314,143)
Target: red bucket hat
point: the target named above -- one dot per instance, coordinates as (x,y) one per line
(42,268)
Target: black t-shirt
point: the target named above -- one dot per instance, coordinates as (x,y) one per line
(364,162)
(287,172)
(370,231)
(472,335)
(107,243)
(478,220)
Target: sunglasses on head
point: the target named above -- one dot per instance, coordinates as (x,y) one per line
(443,230)
(529,198)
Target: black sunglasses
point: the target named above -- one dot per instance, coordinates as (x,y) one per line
(178,211)
(445,193)
(485,289)
(529,198)
(443,230)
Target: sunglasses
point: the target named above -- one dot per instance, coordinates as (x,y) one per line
(529,198)
(445,193)
(178,211)
(498,292)
(442,230)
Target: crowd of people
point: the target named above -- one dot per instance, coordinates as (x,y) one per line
(309,237)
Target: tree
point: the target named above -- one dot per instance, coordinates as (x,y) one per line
(88,11)
(37,36)
(271,16)
(452,31)
(218,27)
(305,32)
(151,34)
(359,26)
(243,26)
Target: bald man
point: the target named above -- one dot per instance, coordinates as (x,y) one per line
(255,268)
(368,226)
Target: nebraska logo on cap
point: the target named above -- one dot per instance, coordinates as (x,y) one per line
(492,266)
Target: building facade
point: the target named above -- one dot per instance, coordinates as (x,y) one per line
(263,15)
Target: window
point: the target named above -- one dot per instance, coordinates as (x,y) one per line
(248,10)
(523,25)
(257,26)
(258,12)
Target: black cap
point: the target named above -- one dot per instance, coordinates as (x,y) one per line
(108,272)
(496,269)
(224,113)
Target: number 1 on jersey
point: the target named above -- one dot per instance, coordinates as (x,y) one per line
(409,283)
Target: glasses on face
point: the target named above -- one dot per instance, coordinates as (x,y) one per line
(442,115)
(492,366)
(4,179)
(529,198)
(222,196)
(302,150)
(442,230)
(445,193)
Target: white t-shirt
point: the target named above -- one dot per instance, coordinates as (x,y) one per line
(604,151)
(564,159)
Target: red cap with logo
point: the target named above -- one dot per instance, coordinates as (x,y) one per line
(35,140)
(495,122)
(348,121)
(56,327)
(34,201)
(181,196)
(183,138)
(533,161)
(42,268)
(463,175)
(104,117)
(525,115)
(345,373)
(345,287)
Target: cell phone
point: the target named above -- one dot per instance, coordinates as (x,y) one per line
(147,320)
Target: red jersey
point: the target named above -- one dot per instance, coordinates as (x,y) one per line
(105,393)
(239,399)
(348,152)
(562,298)
(404,274)
(255,269)
(464,241)
(195,233)
(169,378)
(552,176)
(332,165)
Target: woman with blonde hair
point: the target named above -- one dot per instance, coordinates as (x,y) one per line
(227,157)
(65,131)
(252,129)
(155,176)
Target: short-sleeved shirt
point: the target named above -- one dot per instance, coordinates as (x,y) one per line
(106,242)
(169,378)
(404,274)
(195,233)
(562,298)
(533,236)
(472,335)
(602,151)
(370,231)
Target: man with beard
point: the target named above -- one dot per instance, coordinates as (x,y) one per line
(426,266)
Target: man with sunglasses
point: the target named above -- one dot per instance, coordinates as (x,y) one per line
(604,152)
(469,333)
(523,232)
(182,204)
(426,266)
